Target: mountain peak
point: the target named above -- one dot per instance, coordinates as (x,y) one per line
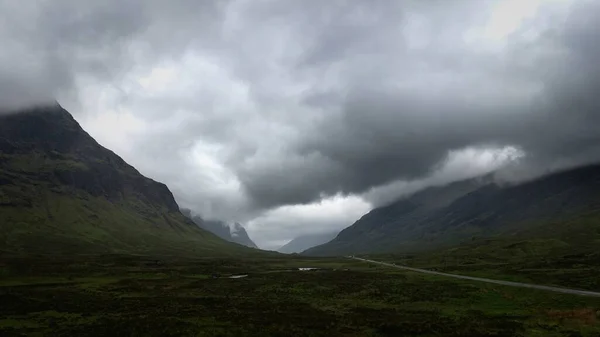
(44,128)
(236,229)
(233,232)
(51,135)
(58,185)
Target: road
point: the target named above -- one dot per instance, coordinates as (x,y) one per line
(479,279)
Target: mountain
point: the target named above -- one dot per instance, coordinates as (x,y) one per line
(63,193)
(239,235)
(304,242)
(561,252)
(448,215)
(233,233)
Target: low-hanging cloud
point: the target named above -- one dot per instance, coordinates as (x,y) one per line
(395,112)
(243,107)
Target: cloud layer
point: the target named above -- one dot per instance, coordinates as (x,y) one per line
(250,109)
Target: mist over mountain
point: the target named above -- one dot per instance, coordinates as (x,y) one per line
(231,232)
(304,242)
(448,215)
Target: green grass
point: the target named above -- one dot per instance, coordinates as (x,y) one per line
(562,253)
(75,222)
(56,203)
(36,162)
(121,295)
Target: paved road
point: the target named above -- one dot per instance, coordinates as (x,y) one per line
(479,279)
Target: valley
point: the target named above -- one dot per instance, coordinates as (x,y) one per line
(89,246)
(124,295)
(300,168)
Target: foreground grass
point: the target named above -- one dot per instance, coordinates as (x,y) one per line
(141,296)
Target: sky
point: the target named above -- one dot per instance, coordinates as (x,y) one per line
(296,117)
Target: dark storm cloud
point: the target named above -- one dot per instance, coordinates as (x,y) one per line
(244,106)
(398,112)
(44,44)
(48,45)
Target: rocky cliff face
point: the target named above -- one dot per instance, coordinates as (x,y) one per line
(239,235)
(53,146)
(59,189)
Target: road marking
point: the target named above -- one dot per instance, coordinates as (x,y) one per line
(487,280)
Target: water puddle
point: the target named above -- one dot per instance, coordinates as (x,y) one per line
(238,276)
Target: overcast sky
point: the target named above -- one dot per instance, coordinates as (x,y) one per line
(299,116)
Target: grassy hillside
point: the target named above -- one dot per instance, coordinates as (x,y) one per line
(398,224)
(63,193)
(418,224)
(76,224)
(561,252)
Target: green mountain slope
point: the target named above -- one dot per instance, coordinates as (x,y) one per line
(555,252)
(383,228)
(61,192)
(486,210)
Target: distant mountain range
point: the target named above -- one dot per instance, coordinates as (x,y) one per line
(63,193)
(234,232)
(467,210)
(304,242)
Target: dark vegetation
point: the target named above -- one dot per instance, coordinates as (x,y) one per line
(149,296)
(561,252)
